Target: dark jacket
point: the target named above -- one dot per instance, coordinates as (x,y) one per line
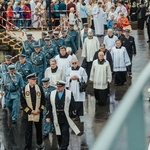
(26,109)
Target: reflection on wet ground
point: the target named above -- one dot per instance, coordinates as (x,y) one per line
(95,118)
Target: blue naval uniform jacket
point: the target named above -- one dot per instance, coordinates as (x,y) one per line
(28,47)
(47,92)
(69,43)
(74,35)
(4,68)
(41,42)
(12,85)
(49,51)
(39,62)
(58,43)
(24,69)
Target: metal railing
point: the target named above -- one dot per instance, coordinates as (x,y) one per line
(126,128)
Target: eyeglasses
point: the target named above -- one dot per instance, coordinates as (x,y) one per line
(74,63)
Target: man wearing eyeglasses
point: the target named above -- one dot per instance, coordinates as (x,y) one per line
(61,109)
(33,104)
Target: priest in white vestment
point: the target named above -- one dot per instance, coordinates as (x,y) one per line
(110,39)
(98,15)
(120,62)
(101,77)
(54,73)
(74,75)
(90,46)
(63,59)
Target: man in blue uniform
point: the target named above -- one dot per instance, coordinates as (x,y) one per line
(47,88)
(57,42)
(28,46)
(4,65)
(41,41)
(12,84)
(129,43)
(74,34)
(50,34)
(24,67)
(38,60)
(49,50)
(33,104)
(68,41)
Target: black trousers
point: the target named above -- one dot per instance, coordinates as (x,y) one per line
(28,133)
(88,68)
(101,96)
(84,20)
(129,68)
(63,139)
(120,77)
(141,23)
(79,108)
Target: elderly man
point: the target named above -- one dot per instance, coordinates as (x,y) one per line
(101,76)
(61,108)
(33,104)
(90,46)
(120,62)
(75,75)
(12,83)
(110,39)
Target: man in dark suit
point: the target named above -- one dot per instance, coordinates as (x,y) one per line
(33,102)
(129,43)
(61,108)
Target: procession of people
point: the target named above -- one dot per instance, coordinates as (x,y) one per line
(49,84)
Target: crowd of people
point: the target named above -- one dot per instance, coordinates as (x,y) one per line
(98,14)
(49,82)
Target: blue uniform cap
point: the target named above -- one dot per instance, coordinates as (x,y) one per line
(8,56)
(11,67)
(31,76)
(63,31)
(36,45)
(45,80)
(47,39)
(44,33)
(60,83)
(50,31)
(56,33)
(22,55)
(127,30)
(29,34)
(71,24)
(85,24)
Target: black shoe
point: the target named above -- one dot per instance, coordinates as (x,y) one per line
(148,41)
(14,121)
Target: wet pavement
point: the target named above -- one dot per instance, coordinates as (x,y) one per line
(95,118)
